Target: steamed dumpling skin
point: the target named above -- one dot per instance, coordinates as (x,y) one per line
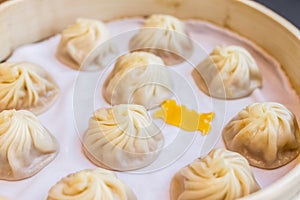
(229,72)
(27,86)
(26,146)
(267,134)
(97,184)
(221,175)
(85,45)
(138,78)
(122,138)
(165,36)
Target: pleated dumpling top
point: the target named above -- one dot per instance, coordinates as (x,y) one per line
(229,72)
(221,175)
(26,146)
(26,86)
(97,184)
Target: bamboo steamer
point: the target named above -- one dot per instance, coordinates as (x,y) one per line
(28,21)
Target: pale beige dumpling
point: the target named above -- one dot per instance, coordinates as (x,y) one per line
(138,78)
(122,138)
(267,134)
(221,175)
(26,146)
(86,45)
(229,72)
(165,36)
(97,184)
(27,86)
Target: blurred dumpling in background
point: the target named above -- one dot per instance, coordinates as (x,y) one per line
(267,134)
(26,86)
(122,138)
(26,146)
(229,72)
(165,36)
(86,45)
(221,175)
(138,78)
(97,184)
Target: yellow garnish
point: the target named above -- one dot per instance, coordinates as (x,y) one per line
(182,117)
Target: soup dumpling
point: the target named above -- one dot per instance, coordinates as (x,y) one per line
(165,36)
(122,138)
(267,134)
(86,45)
(229,72)
(138,78)
(26,146)
(91,185)
(27,86)
(221,175)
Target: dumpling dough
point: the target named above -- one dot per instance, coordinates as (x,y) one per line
(267,134)
(26,146)
(221,175)
(26,86)
(229,72)
(97,184)
(165,36)
(139,78)
(122,138)
(85,45)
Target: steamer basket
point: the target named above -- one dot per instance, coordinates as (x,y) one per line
(28,21)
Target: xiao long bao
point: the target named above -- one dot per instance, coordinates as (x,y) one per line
(86,45)
(26,86)
(267,134)
(26,146)
(165,36)
(138,78)
(221,175)
(229,72)
(122,138)
(97,184)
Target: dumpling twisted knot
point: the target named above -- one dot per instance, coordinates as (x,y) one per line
(165,36)
(122,138)
(139,78)
(229,72)
(221,175)
(98,184)
(85,45)
(26,146)
(26,86)
(167,22)
(267,134)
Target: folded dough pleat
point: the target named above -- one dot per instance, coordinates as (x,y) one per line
(26,146)
(27,86)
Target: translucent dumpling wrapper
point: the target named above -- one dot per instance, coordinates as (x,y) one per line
(165,36)
(26,146)
(86,45)
(97,184)
(221,175)
(26,86)
(229,72)
(122,138)
(138,78)
(267,134)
